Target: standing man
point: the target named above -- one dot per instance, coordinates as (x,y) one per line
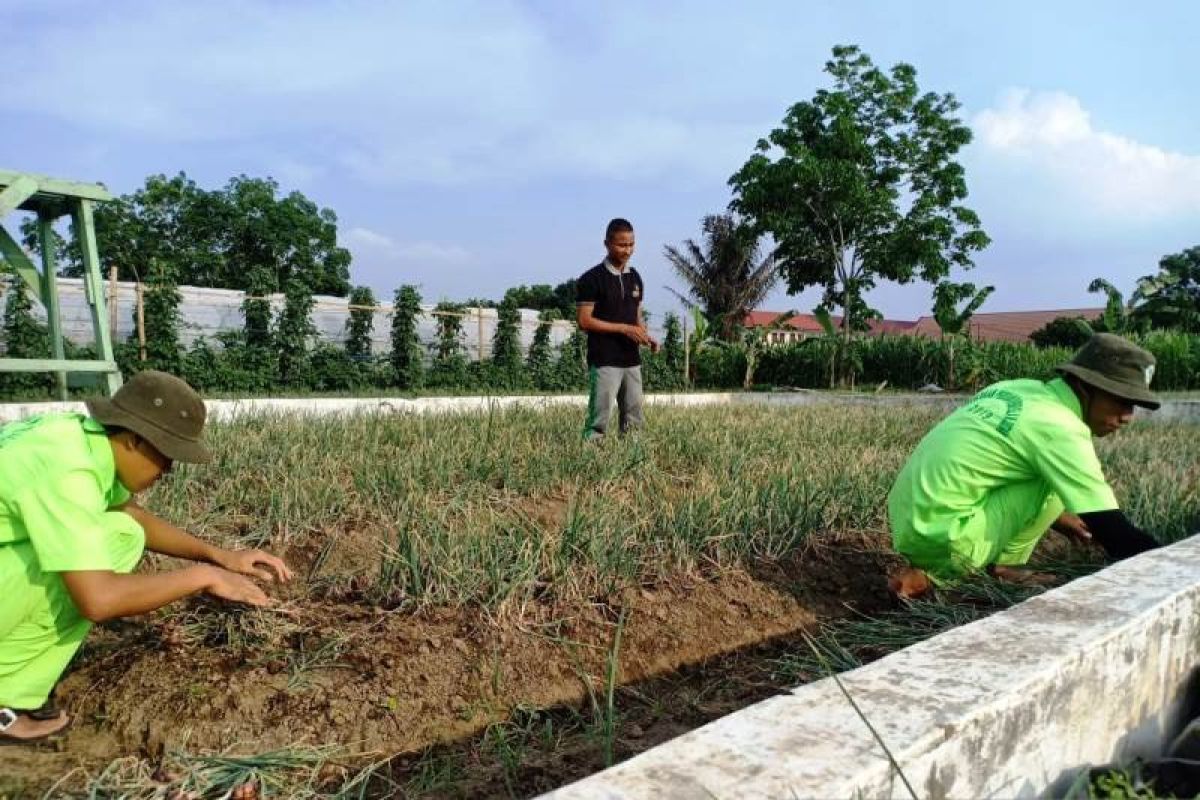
(985,484)
(609,309)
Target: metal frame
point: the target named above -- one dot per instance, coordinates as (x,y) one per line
(50,199)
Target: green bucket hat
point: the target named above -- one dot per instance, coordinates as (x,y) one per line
(1116,366)
(163,410)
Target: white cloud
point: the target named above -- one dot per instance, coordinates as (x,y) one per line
(1051,134)
(392,93)
(374,247)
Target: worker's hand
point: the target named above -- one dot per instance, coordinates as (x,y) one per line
(638,334)
(257,563)
(230,586)
(654,345)
(1071,525)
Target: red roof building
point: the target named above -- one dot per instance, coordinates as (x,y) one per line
(995,326)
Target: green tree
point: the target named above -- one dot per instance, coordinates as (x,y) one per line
(672,350)
(1070,332)
(1118,316)
(953,320)
(294,331)
(360,322)
(506,363)
(23,338)
(217,237)
(408,360)
(725,276)
(449,360)
(539,361)
(544,297)
(160,312)
(1171,297)
(256,308)
(860,184)
(570,369)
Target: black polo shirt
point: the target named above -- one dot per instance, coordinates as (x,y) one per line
(615,297)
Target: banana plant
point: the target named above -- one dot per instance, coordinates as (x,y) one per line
(953,321)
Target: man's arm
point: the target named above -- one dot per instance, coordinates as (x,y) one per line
(588,322)
(163,537)
(1119,537)
(650,340)
(102,594)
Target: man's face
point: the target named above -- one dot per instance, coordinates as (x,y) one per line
(1107,413)
(619,247)
(139,464)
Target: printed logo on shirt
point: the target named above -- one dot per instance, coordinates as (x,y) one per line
(999,407)
(636,293)
(1149,374)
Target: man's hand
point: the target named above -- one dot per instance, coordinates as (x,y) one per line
(257,563)
(638,334)
(229,586)
(1071,525)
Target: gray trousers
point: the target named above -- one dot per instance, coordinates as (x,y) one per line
(613,386)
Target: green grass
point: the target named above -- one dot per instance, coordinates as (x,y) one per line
(485,509)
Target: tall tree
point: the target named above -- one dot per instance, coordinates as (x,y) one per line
(1171,297)
(449,360)
(506,347)
(539,361)
(295,330)
(217,237)
(725,276)
(360,322)
(162,317)
(860,184)
(408,359)
(23,338)
(544,297)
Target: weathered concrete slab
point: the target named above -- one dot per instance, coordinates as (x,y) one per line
(1010,706)
(1172,410)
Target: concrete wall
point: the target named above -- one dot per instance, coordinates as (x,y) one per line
(1014,705)
(1181,410)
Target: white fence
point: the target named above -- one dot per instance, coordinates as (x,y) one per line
(206,312)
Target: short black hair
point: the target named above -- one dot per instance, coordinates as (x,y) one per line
(618,225)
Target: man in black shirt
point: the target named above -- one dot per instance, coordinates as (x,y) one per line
(609,309)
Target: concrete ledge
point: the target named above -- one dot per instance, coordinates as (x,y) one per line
(1011,706)
(1172,410)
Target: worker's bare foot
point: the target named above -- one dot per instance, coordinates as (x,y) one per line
(1023,577)
(27,729)
(909,583)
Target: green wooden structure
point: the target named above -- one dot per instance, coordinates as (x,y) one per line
(50,199)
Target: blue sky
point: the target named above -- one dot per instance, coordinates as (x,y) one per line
(471,146)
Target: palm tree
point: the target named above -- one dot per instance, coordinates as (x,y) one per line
(725,277)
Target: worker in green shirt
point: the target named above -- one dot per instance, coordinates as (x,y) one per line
(986,483)
(71,535)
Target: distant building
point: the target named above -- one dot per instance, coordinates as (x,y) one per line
(803,326)
(1005,326)
(994,326)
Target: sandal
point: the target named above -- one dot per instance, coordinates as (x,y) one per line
(9,717)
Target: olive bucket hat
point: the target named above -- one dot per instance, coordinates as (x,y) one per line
(1117,366)
(163,410)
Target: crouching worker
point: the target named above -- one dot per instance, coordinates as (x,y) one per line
(986,483)
(71,535)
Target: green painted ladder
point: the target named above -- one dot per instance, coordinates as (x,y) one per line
(50,199)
